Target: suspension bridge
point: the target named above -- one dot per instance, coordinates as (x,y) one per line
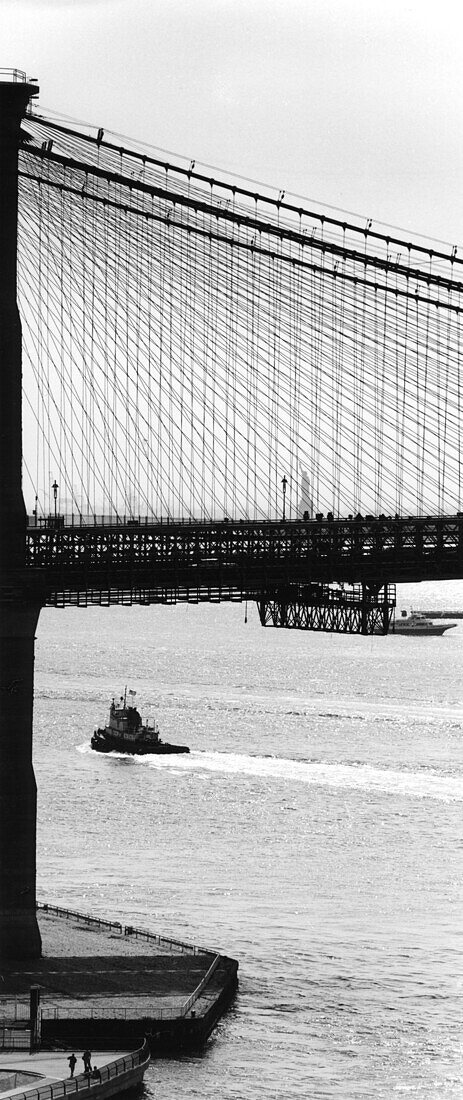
(203,362)
(219,393)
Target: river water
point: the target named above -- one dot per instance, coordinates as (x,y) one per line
(314,833)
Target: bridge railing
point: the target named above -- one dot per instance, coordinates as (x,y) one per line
(76,520)
(58,522)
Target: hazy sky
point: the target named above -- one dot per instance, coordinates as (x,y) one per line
(354,103)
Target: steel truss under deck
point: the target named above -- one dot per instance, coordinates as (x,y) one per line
(355,609)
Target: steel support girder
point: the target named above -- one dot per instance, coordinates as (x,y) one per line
(354,611)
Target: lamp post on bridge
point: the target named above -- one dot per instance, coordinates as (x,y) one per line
(20,600)
(284,482)
(55,495)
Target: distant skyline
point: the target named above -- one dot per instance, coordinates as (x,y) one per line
(352,103)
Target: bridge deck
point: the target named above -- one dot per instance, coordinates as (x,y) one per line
(147,562)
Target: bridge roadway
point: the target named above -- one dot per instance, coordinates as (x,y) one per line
(74,560)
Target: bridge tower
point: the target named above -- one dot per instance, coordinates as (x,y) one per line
(19,601)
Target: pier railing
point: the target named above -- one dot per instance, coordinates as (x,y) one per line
(201,985)
(13,1011)
(95,1011)
(20,1010)
(125,930)
(184,948)
(14,1038)
(84,1081)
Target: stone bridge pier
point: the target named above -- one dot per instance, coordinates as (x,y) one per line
(19,605)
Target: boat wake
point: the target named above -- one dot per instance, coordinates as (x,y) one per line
(361,777)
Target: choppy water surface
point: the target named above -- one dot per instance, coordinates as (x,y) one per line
(314,833)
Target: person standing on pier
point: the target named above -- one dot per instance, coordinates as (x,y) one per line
(72,1064)
(87,1059)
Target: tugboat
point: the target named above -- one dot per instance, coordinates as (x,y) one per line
(126,732)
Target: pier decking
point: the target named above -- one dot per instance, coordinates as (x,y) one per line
(104,984)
